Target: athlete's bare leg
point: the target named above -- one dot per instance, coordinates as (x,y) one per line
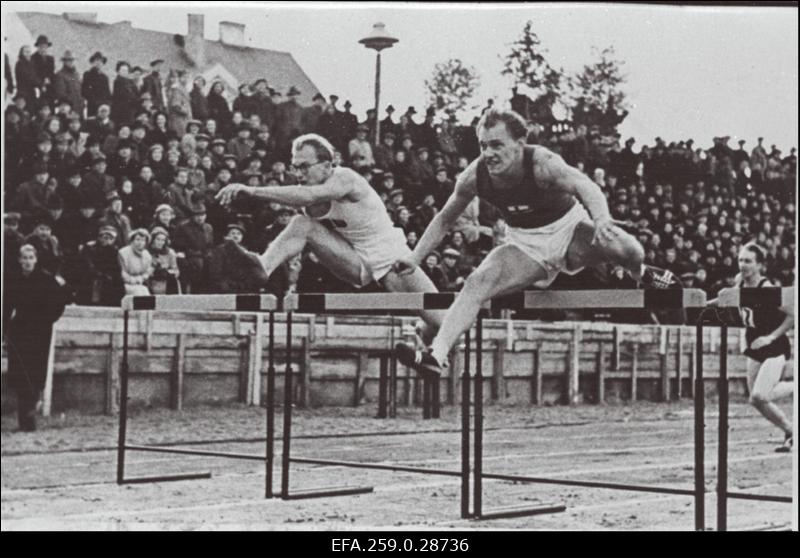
(333,251)
(764,381)
(505,270)
(622,249)
(417,282)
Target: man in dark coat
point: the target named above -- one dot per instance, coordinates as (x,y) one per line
(312,114)
(125,100)
(265,108)
(289,115)
(102,282)
(194,239)
(246,102)
(33,301)
(96,88)
(67,84)
(232,269)
(387,124)
(152,83)
(45,66)
(198,99)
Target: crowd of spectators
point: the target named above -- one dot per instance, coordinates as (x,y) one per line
(113,183)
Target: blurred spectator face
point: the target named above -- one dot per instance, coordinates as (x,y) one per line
(441,176)
(278,167)
(199,219)
(52,184)
(224,176)
(107,239)
(161,120)
(87,212)
(428,200)
(254,180)
(388,141)
(165,216)
(612,181)
(283,218)
(400,157)
(218,88)
(580,166)
(388,183)
(361,135)
(41,177)
(599,177)
(423,155)
(74,180)
(671,256)
(337,158)
(403,216)
(53,126)
(127,186)
(450,260)
(116,206)
(668,228)
(411,239)
(244,134)
(235,235)
(237,118)
(206,162)
(655,242)
(397,199)
(159,241)
(431,260)
(701,275)
(103,112)
(27,259)
(255,121)
(181,178)
(173,157)
(45,146)
(702,229)
(408,144)
(211,126)
(139,243)
(43,231)
(457,240)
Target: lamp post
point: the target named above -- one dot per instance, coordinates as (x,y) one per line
(378,40)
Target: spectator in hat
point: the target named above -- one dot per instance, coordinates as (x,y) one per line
(102,281)
(193,240)
(246,102)
(125,97)
(12,241)
(114,216)
(231,268)
(288,122)
(42,154)
(153,84)
(47,246)
(164,279)
(310,116)
(95,86)
(45,66)
(33,300)
(179,103)
(134,202)
(198,99)
(62,159)
(242,145)
(348,123)
(29,84)
(442,186)
(261,239)
(453,281)
(136,263)
(360,150)
(76,227)
(67,83)
(122,163)
(164,217)
(98,182)
(387,124)
(264,106)
(384,153)
(218,108)
(29,199)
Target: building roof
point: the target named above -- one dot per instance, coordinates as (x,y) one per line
(122,41)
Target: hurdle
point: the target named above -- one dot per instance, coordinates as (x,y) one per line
(733,299)
(189,303)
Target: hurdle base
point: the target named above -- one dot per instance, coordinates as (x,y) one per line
(519,511)
(327,492)
(166,478)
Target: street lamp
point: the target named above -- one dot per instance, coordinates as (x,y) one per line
(378,40)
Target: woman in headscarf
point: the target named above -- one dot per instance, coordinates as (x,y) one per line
(164,279)
(218,108)
(136,263)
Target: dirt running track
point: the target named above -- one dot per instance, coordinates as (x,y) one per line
(62,477)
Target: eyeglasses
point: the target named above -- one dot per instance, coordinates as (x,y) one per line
(303,168)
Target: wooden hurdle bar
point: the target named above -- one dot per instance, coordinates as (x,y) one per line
(189,303)
(734,299)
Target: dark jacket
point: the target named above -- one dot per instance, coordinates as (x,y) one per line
(125,100)
(96,89)
(219,110)
(28,81)
(234,270)
(152,84)
(199,104)
(67,85)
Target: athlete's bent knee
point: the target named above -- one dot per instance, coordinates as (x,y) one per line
(758,399)
(481,284)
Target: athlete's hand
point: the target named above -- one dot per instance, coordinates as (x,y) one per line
(761,342)
(229,193)
(605,230)
(404,266)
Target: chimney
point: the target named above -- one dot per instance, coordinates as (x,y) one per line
(83,17)
(231,33)
(195,41)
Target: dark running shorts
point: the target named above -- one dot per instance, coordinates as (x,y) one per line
(777,348)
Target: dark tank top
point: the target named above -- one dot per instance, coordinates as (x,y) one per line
(525,205)
(761,321)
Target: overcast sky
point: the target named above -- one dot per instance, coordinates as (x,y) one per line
(692,72)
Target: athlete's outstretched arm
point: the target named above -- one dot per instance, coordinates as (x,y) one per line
(295,196)
(464,192)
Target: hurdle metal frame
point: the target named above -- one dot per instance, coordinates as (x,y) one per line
(607,299)
(238,303)
(732,300)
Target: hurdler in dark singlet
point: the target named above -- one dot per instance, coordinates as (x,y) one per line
(760,322)
(525,205)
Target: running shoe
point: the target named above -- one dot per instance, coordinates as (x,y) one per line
(657,278)
(786,446)
(422,361)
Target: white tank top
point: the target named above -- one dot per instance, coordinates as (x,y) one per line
(361,223)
